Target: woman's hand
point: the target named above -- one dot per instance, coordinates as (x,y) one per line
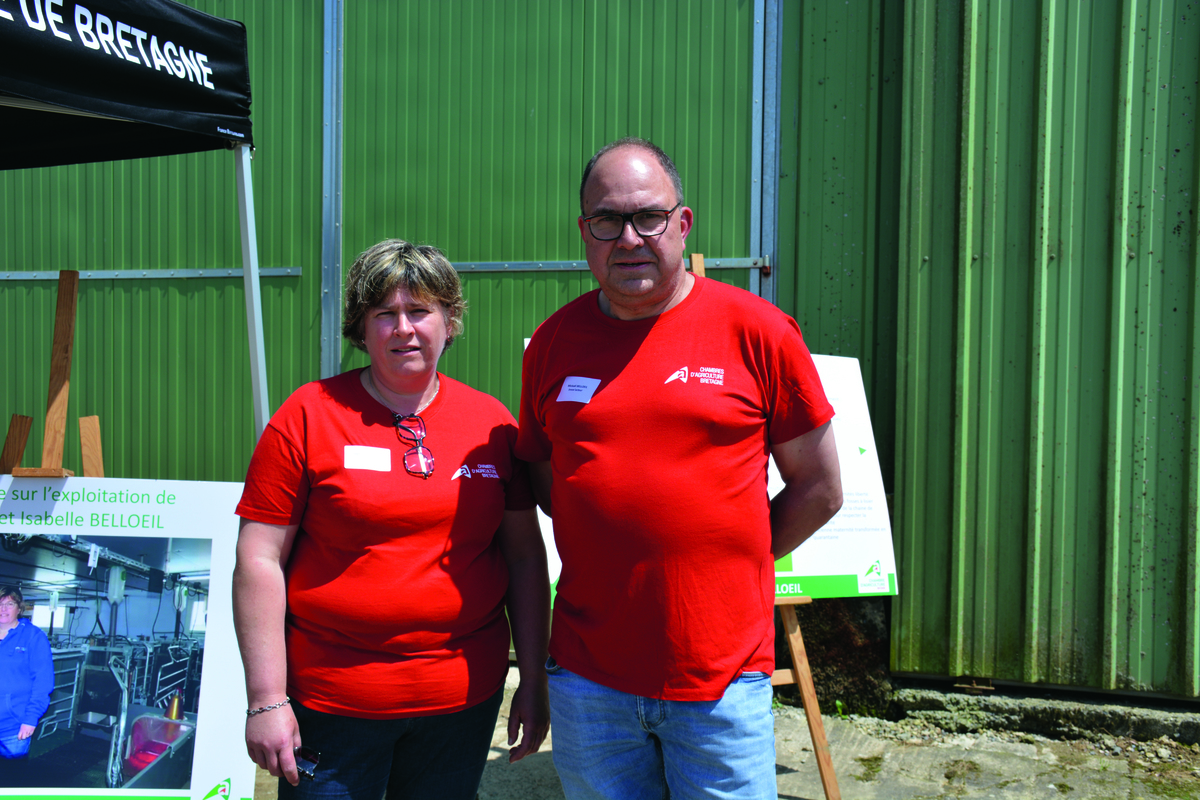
(530,709)
(26,731)
(270,737)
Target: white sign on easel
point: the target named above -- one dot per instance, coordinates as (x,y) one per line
(852,555)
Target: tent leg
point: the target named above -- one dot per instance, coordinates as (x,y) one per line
(254,319)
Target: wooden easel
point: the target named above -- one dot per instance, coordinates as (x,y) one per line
(801,675)
(56,404)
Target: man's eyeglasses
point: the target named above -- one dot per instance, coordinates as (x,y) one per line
(650,222)
(8,605)
(418,460)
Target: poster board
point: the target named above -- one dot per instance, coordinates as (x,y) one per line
(852,555)
(91,509)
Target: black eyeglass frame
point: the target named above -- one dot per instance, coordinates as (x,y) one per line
(627,219)
(417,440)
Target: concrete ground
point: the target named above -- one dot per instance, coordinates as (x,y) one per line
(917,758)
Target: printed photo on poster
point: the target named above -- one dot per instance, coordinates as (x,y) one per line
(125,618)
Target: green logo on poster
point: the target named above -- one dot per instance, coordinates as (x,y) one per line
(878,570)
(220,790)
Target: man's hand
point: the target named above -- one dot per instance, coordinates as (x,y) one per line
(530,709)
(270,737)
(26,731)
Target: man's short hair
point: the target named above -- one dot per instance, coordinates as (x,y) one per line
(664,161)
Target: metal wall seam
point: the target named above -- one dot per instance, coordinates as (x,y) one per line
(1117,500)
(915,184)
(152,274)
(1191,656)
(985,256)
(757,157)
(872,316)
(1081,197)
(966,402)
(331,188)
(773,58)
(1040,355)
(1150,603)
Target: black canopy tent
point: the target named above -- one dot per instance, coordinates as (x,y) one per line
(106,80)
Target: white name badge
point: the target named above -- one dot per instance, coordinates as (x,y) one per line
(578,390)
(357,456)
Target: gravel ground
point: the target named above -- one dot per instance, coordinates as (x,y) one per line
(915,759)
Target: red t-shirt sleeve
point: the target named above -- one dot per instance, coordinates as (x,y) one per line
(796,402)
(277,485)
(518,494)
(532,442)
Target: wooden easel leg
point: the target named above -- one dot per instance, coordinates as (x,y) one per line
(698,264)
(60,380)
(14,443)
(89,440)
(60,369)
(808,694)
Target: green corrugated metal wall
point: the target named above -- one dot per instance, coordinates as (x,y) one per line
(475,140)
(467,125)
(164,362)
(1010,216)
(839,189)
(1048,463)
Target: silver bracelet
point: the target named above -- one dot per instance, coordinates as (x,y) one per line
(250,712)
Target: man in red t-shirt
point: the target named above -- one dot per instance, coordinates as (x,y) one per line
(648,410)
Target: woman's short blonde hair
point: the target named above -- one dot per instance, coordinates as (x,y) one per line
(419,269)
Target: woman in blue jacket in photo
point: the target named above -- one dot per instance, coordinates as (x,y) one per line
(26,675)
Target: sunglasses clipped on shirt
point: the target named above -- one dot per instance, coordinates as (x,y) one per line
(418,459)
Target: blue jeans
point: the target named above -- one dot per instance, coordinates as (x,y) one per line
(415,758)
(609,745)
(12,747)
(10,723)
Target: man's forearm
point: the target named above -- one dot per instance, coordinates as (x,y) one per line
(800,510)
(529,613)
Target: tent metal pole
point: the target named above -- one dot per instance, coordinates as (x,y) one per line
(772,96)
(756,141)
(254,317)
(331,191)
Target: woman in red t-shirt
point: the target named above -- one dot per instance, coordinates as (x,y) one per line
(370,589)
